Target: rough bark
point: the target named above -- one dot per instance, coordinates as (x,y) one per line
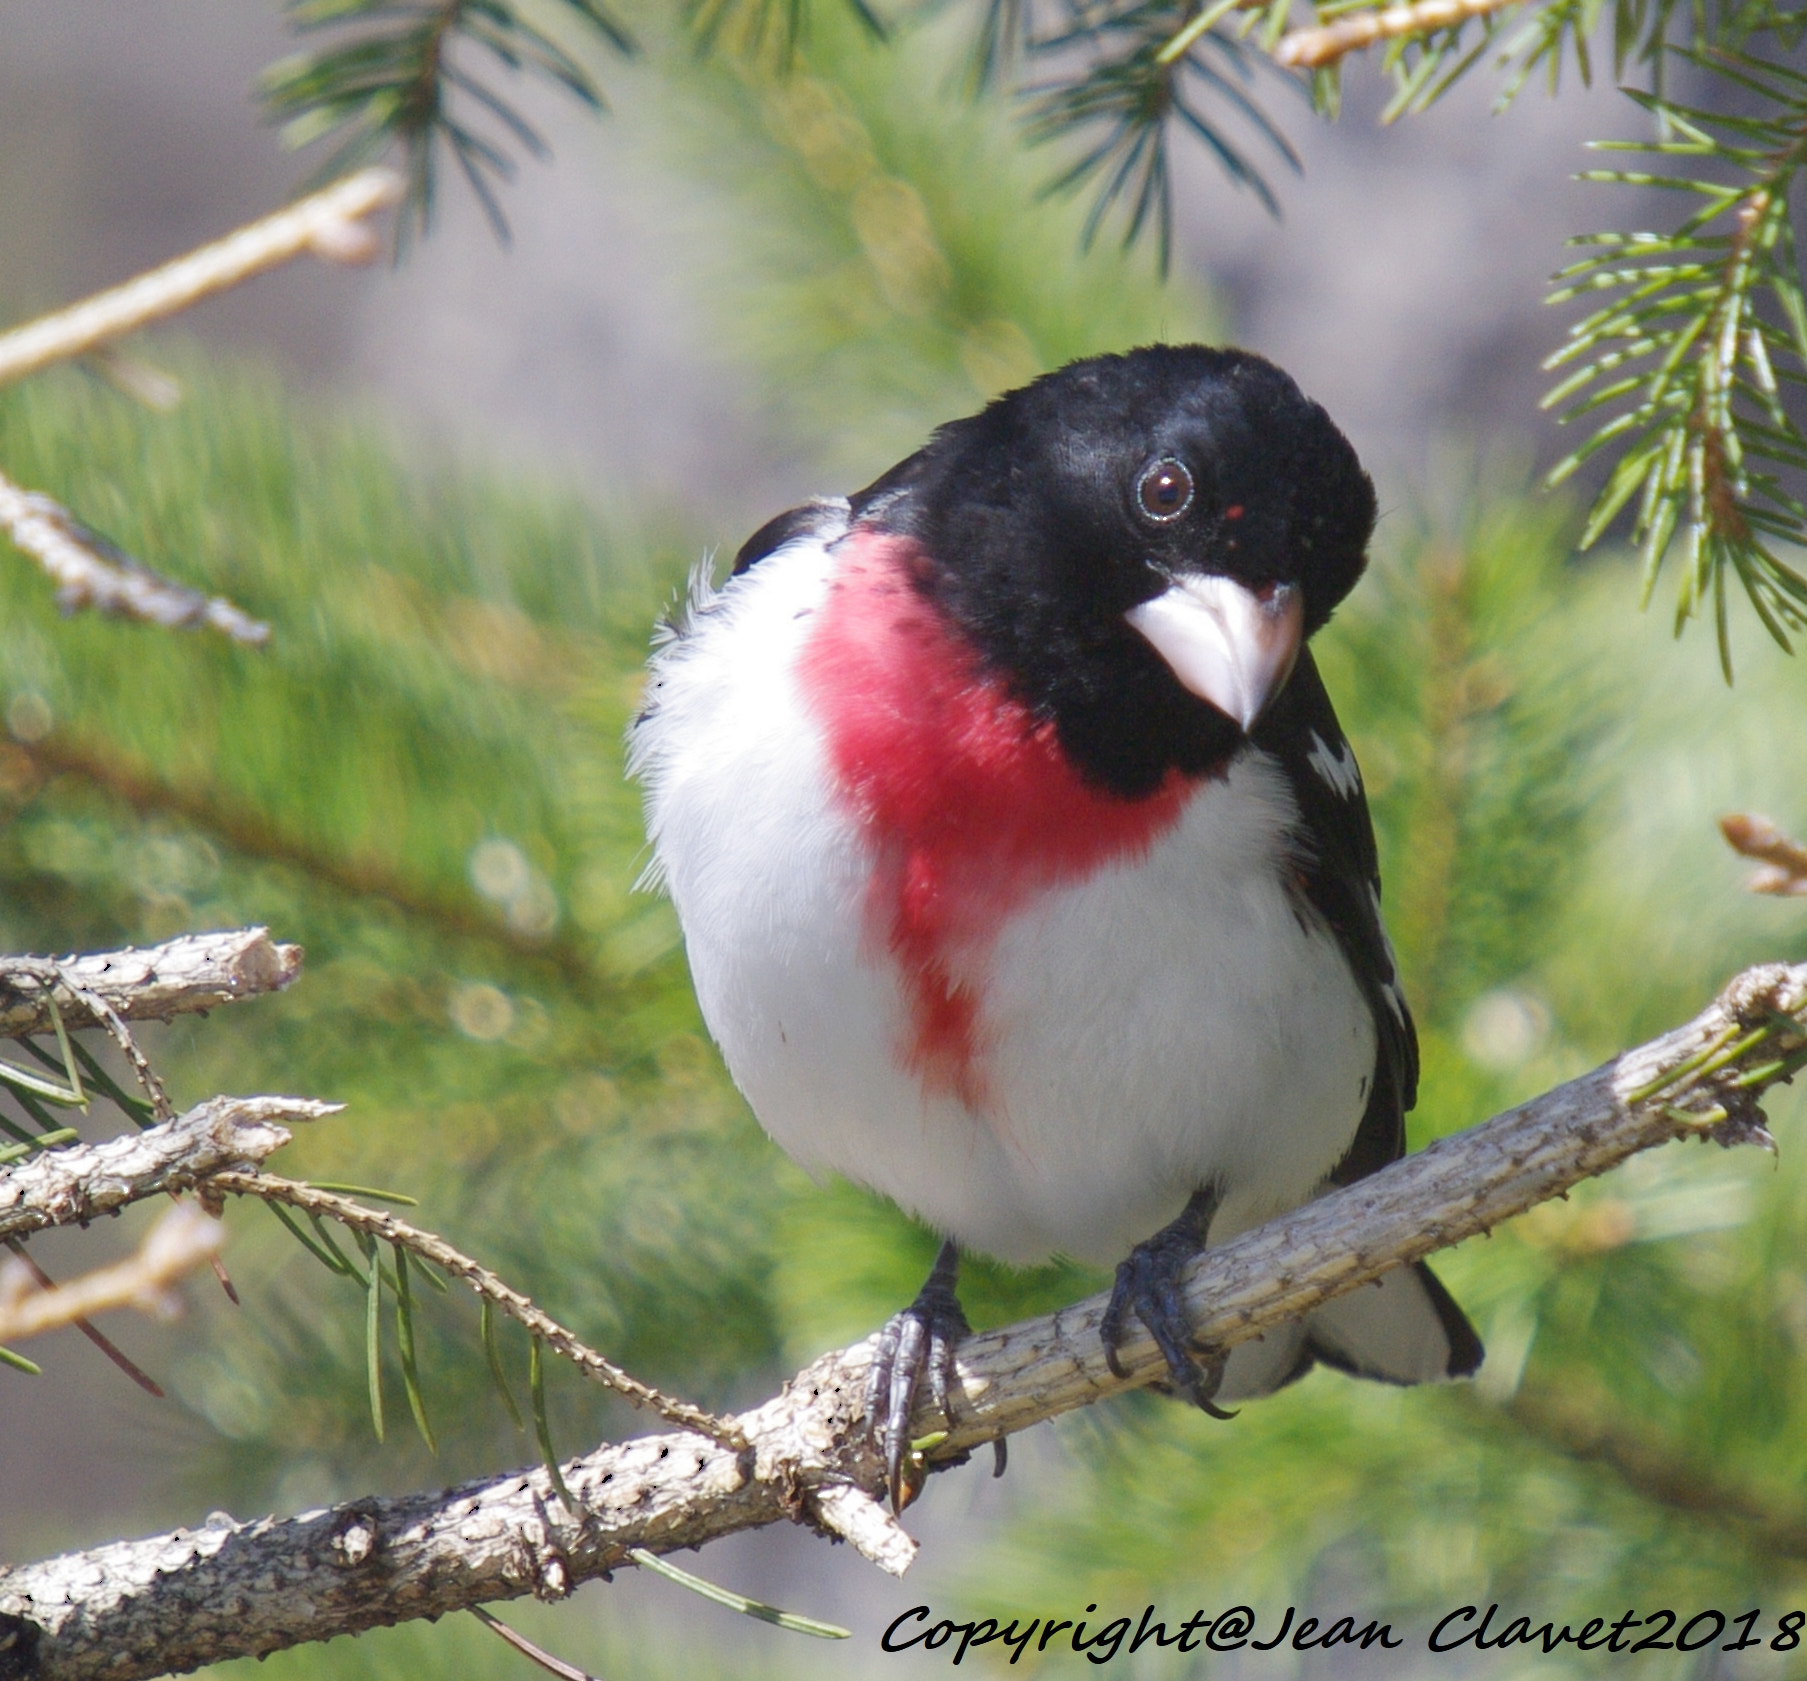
(194,973)
(73,1185)
(169,1604)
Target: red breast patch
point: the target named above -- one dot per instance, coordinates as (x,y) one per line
(969,805)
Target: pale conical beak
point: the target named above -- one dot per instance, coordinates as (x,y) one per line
(1228,644)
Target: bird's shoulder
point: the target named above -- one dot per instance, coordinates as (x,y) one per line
(1337,868)
(727,648)
(823,519)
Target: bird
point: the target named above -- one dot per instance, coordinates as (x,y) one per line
(1025,874)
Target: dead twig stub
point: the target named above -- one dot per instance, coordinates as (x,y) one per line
(1784,859)
(192,974)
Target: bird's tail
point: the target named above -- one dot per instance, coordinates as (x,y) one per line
(1403,1328)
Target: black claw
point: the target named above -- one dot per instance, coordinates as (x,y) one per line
(1148,1285)
(918,1342)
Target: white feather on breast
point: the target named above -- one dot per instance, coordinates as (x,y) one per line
(1168,1022)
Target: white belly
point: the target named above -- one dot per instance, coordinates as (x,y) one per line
(1165,1024)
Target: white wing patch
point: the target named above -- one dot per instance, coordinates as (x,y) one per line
(1339,769)
(1389,985)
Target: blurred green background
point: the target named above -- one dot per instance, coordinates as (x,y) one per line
(420,780)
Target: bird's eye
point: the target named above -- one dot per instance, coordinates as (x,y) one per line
(1164,491)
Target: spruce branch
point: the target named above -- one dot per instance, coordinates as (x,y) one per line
(1324,44)
(1686,372)
(1148,69)
(381,1228)
(174,1602)
(1430,45)
(395,75)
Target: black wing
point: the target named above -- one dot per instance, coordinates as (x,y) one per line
(1339,871)
(816,518)
(1339,875)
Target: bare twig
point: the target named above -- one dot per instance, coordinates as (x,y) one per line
(22,1257)
(1311,49)
(72,1185)
(1785,859)
(181,1241)
(91,571)
(385,1228)
(109,1018)
(197,972)
(140,1609)
(88,569)
(329,223)
(135,378)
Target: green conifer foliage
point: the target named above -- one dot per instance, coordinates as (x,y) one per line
(392,784)
(420,780)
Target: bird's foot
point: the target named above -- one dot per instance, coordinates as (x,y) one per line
(1148,1285)
(917,1343)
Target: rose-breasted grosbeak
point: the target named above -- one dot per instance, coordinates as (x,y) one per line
(1025,873)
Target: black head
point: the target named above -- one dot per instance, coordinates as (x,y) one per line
(1078,525)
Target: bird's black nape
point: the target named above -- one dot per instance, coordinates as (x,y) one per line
(1054,511)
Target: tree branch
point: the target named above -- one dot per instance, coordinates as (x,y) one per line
(1313,48)
(185,1238)
(73,1185)
(172,1603)
(329,223)
(194,973)
(91,571)
(1783,857)
(386,1228)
